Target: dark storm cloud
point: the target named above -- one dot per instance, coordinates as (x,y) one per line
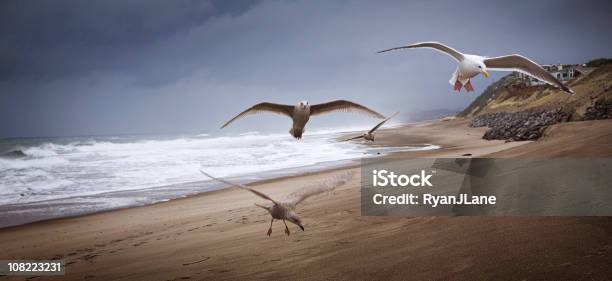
(52,39)
(86,67)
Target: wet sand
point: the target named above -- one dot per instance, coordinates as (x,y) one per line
(221,235)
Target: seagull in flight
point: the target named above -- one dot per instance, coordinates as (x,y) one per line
(301,112)
(370,134)
(472,65)
(285,210)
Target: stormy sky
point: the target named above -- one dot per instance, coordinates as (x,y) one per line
(117,67)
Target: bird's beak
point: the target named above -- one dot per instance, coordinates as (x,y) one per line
(485,74)
(301,226)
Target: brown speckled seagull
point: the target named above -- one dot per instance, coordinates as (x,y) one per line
(301,112)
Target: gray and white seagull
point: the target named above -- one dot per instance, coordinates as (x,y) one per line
(472,65)
(285,210)
(369,135)
(300,113)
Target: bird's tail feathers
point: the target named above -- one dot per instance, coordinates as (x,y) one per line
(296,132)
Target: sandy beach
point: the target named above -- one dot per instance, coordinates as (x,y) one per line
(221,235)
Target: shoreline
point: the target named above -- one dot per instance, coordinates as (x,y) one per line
(444,150)
(195,195)
(88,205)
(225,231)
(441,151)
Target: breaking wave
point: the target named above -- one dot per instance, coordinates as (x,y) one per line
(67,168)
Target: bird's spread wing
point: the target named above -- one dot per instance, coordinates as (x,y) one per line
(342,105)
(382,122)
(263,107)
(524,65)
(240,186)
(433,45)
(354,138)
(321,187)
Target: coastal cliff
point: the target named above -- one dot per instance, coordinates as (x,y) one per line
(514,111)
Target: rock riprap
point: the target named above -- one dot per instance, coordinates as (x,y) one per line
(519,126)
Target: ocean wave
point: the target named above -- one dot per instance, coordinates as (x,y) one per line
(40,151)
(70,167)
(46,150)
(11,154)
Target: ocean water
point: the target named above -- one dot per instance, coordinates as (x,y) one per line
(56,177)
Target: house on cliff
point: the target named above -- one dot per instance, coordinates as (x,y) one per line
(563,73)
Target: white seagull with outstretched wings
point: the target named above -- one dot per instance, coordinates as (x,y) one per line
(472,65)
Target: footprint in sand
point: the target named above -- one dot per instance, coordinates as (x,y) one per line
(117,250)
(220,271)
(90,257)
(116,241)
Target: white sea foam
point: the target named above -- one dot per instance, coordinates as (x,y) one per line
(57,170)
